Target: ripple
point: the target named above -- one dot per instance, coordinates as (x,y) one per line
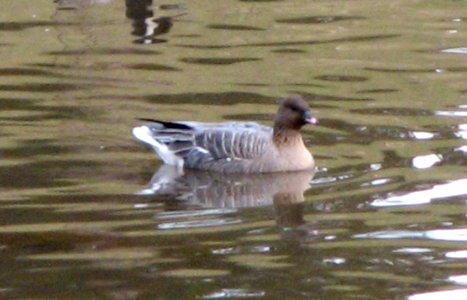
(452,235)
(342,78)
(318,19)
(434,70)
(460,294)
(44,87)
(194,213)
(459,235)
(293,43)
(288,50)
(392,111)
(218,61)
(451,113)
(18,26)
(234,293)
(199,223)
(413,250)
(461,50)
(227,98)
(461,254)
(195,273)
(462,132)
(426,161)
(440,191)
(458,279)
(422,135)
(153,67)
(104,51)
(234,27)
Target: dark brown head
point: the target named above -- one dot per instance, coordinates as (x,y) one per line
(293,113)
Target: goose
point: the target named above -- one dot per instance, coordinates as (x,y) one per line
(234,147)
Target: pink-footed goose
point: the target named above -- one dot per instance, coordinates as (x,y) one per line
(234,147)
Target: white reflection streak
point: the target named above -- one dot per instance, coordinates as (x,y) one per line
(451,113)
(450,189)
(457,254)
(454,235)
(461,50)
(235,293)
(458,279)
(462,149)
(462,133)
(460,294)
(422,135)
(426,161)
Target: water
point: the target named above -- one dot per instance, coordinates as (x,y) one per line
(385,217)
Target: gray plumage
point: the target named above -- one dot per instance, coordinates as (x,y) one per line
(234,147)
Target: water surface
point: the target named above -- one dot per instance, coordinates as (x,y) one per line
(384,217)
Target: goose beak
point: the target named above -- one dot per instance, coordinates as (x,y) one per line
(309,119)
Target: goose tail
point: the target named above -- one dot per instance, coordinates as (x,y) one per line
(145,135)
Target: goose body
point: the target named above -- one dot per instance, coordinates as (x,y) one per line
(234,147)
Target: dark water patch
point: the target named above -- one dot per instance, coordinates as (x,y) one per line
(259,1)
(306,84)
(218,61)
(187,35)
(320,97)
(345,179)
(52,65)
(234,27)
(288,50)
(153,67)
(105,51)
(295,43)
(318,19)
(227,98)
(449,131)
(365,134)
(16,104)
(49,111)
(24,72)
(314,42)
(252,84)
(43,174)
(420,70)
(377,91)
(49,74)
(18,26)
(44,87)
(342,78)
(317,138)
(393,111)
(451,156)
(32,148)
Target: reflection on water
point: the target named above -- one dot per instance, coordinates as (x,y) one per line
(145,25)
(440,191)
(222,194)
(212,189)
(385,218)
(459,294)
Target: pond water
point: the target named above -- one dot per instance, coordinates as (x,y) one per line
(87,213)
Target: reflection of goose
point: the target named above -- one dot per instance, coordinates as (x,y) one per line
(73,4)
(145,25)
(211,189)
(234,147)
